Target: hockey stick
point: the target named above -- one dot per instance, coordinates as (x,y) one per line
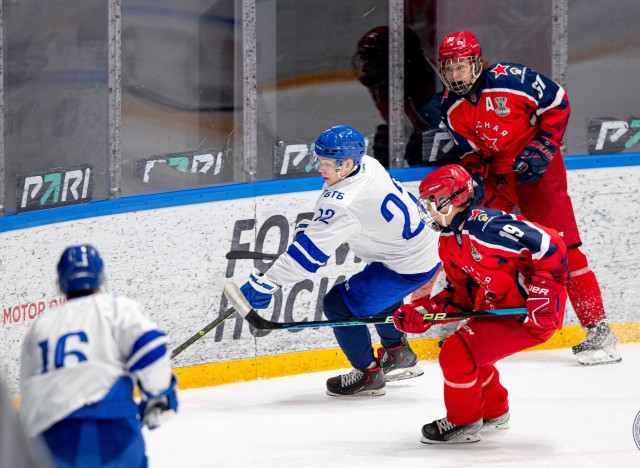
(236,298)
(248,255)
(202,332)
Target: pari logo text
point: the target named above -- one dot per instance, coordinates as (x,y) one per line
(54,188)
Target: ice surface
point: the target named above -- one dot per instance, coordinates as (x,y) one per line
(562,415)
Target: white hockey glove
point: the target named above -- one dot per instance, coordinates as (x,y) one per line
(156,409)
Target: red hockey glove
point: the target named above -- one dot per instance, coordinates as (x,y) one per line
(546,302)
(532,163)
(409,319)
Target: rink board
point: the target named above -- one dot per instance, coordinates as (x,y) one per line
(172,259)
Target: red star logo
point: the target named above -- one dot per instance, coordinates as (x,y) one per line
(490,142)
(474,214)
(499,70)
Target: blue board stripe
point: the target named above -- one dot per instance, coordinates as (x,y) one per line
(237,191)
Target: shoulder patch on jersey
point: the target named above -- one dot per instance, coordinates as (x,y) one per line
(498,70)
(480,215)
(515,71)
(479,218)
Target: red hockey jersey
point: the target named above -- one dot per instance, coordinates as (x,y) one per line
(511,106)
(489,262)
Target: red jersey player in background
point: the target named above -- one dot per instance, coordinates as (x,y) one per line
(421,103)
(492,260)
(508,122)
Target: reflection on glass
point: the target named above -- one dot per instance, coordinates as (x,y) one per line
(305,80)
(421,103)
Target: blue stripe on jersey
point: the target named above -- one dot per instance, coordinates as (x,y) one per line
(307,254)
(149,358)
(147,337)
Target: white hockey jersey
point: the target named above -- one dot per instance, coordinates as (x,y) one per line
(375,214)
(73,355)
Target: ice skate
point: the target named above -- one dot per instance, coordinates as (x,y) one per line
(399,362)
(499,423)
(599,347)
(442,431)
(357,383)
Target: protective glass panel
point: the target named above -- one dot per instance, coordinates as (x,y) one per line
(425,143)
(178,93)
(604,46)
(55,109)
(306,82)
(517,31)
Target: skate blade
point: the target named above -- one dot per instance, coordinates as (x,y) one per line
(496,424)
(599,357)
(403,374)
(361,394)
(464,439)
(495,427)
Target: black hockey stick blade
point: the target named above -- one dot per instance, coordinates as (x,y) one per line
(248,255)
(202,332)
(236,298)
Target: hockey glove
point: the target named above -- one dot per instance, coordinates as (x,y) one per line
(546,302)
(408,318)
(300,228)
(258,290)
(156,409)
(478,188)
(532,163)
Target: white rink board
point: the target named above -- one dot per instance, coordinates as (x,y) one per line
(173,261)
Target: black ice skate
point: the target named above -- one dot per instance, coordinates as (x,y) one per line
(499,423)
(599,347)
(444,432)
(358,382)
(399,362)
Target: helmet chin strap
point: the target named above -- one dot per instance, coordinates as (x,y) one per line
(443,216)
(456,221)
(339,168)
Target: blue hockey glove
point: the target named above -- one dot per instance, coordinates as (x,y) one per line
(532,163)
(258,290)
(300,228)
(478,188)
(156,409)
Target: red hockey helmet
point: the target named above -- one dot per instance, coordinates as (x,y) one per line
(446,187)
(460,61)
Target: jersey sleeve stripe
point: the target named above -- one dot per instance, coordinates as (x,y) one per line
(545,242)
(144,339)
(149,358)
(556,102)
(302,258)
(149,343)
(307,254)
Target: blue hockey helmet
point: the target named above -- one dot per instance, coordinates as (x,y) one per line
(80,269)
(340,143)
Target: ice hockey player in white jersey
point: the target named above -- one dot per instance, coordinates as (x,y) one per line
(80,363)
(363,205)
